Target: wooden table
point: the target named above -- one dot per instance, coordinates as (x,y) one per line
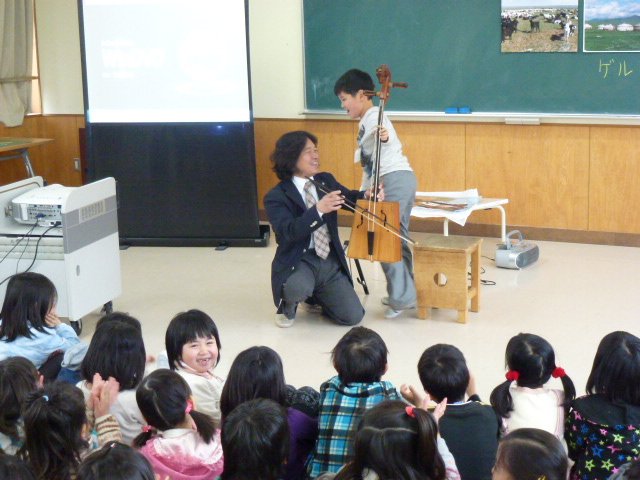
(12,148)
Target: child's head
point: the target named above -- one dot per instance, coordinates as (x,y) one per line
(397,442)
(289,151)
(164,399)
(28,299)
(255,441)
(255,373)
(530,454)
(360,356)
(192,341)
(443,373)
(54,420)
(119,317)
(116,350)
(18,378)
(116,461)
(13,468)
(350,88)
(531,362)
(616,368)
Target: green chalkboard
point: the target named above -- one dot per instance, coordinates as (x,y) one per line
(449,53)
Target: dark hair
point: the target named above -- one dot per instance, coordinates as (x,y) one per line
(360,356)
(353,81)
(53,421)
(186,327)
(162,399)
(531,454)
(443,373)
(28,299)
(616,368)
(534,360)
(12,468)
(288,149)
(396,445)
(255,373)
(119,317)
(255,441)
(116,350)
(116,461)
(18,378)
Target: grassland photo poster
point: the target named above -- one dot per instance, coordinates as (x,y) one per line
(539,26)
(611,26)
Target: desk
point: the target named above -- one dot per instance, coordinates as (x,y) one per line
(11,148)
(483,204)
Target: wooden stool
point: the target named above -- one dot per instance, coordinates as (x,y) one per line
(440,268)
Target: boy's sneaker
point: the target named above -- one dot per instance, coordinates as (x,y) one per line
(391,313)
(385,300)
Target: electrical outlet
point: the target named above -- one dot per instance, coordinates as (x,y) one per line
(76,164)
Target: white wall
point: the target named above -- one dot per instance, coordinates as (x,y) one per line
(275,32)
(59,56)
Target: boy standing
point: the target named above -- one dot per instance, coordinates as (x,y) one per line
(360,358)
(395,174)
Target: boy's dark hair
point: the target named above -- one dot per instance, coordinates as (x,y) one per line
(186,327)
(288,148)
(534,360)
(255,373)
(116,350)
(162,398)
(28,299)
(360,356)
(255,441)
(116,461)
(616,369)
(18,378)
(12,468)
(443,373)
(396,445)
(353,81)
(119,317)
(531,454)
(53,421)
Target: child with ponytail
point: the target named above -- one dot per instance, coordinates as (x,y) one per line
(522,400)
(396,441)
(179,442)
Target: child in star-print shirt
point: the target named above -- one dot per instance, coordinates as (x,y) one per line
(602,427)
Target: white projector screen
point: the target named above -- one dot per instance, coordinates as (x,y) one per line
(150,61)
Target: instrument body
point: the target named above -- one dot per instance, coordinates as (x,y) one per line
(372,239)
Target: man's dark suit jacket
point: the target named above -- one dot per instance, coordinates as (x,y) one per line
(293,224)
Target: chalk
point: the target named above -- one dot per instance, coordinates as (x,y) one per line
(451,110)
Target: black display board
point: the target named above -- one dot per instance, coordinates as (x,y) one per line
(180,184)
(449,53)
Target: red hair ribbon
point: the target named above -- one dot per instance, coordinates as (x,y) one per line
(189,406)
(558,372)
(410,411)
(512,375)
(147,428)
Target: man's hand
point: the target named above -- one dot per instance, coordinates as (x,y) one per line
(331,202)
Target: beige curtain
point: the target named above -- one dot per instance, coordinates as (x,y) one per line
(16,52)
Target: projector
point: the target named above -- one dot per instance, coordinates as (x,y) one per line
(41,205)
(516,255)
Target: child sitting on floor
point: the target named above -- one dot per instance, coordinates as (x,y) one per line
(360,358)
(179,442)
(470,428)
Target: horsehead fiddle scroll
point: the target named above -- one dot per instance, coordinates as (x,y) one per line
(375,233)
